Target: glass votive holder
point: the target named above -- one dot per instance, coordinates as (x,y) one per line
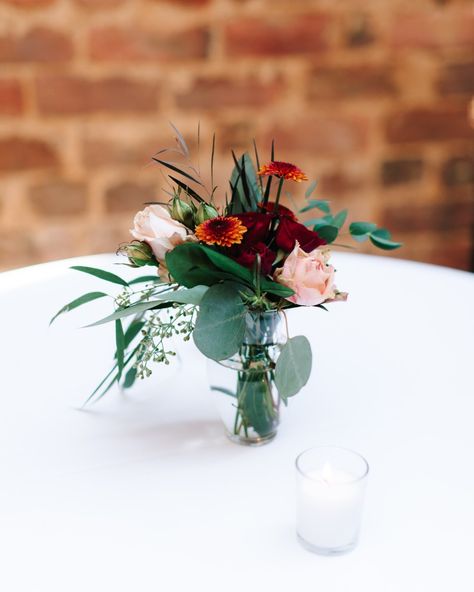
(330,495)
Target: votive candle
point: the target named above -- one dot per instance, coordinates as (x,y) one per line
(331,485)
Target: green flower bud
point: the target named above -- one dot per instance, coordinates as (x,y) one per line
(138,253)
(182,212)
(205,212)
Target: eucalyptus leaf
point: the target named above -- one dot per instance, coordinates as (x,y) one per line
(182,296)
(312,186)
(293,367)
(328,232)
(339,219)
(361,228)
(381,238)
(100,273)
(130,378)
(89,297)
(220,323)
(146,278)
(120,347)
(320,204)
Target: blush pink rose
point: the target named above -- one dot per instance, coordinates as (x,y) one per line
(308,275)
(155,226)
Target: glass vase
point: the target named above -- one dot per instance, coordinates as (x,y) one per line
(244,384)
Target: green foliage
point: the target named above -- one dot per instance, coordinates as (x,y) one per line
(89,297)
(192,264)
(379,237)
(220,323)
(320,204)
(120,347)
(293,367)
(245,188)
(183,296)
(100,273)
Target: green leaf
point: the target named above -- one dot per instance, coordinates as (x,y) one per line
(100,273)
(132,331)
(361,228)
(78,302)
(120,347)
(176,170)
(130,378)
(183,296)
(328,232)
(220,323)
(146,278)
(339,219)
(320,204)
(244,183)
(293,367)
(310,189)
(192,264)
(381,238)
(189,190)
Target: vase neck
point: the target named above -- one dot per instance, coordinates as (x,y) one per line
(263,328)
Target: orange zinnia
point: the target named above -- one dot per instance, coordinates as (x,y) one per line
(284,170)
(223,231)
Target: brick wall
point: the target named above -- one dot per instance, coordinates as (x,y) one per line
(371,97)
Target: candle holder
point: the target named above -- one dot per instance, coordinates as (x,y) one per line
(331,485)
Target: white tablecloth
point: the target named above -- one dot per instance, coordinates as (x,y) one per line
(142,492)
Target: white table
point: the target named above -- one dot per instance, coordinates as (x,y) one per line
(144,493)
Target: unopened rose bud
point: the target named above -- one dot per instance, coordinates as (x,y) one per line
(205,212)
(138,253)
(182,212)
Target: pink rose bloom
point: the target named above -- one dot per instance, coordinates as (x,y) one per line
(308,275)
(155,226)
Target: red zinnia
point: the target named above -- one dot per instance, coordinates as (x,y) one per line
(284,170)
(223,231)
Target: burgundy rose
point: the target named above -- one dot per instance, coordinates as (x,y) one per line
(257,224)
(289,231)
(246,257)
(282,210)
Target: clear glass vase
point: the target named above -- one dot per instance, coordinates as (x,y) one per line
(244,385)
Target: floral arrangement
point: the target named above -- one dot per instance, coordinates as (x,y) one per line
(219,260)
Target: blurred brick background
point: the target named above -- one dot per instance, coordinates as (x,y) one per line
(371,97)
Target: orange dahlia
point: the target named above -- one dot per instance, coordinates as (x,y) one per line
(284,170)
(223,231)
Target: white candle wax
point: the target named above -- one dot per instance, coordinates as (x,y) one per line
(329,508)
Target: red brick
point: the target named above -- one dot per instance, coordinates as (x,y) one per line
(322,136)
(188,3)
(418,30)
(404,170)
(16,249)
(58,198)
(100,4)
(428,124)
(17,154)
(11,97)
(358,30)
(459,170)
(129,44)
(305,34)
(67,95)
(129,196)
(457,78)
(37,45)
(97,152)
(217,93)
(449,215)
(29,3)
(339,182)
(351,82)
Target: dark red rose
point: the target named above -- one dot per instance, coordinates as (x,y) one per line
(289,231)
(257,224)
(246,257)
(282,210)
